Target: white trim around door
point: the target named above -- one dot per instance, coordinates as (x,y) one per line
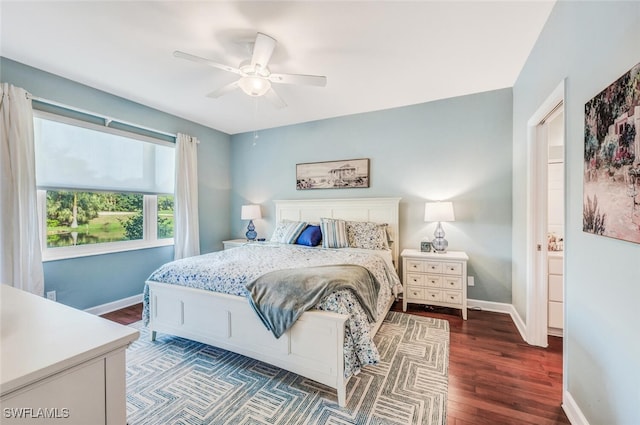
(536,222)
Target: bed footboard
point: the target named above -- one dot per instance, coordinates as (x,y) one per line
(313,347)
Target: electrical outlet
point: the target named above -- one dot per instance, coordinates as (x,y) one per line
(51,295)
(471,281)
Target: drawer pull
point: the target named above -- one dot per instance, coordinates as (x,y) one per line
(415,294)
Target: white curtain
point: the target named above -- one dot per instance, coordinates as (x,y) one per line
(186,229)
(20,251)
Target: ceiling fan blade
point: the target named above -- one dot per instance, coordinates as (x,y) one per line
(262,50)
(198,59)
(275,99)
(299,79)
(224,90)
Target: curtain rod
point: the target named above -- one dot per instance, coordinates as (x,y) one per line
(107,120)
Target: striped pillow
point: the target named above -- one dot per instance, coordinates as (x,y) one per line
(334,233)
(287,231)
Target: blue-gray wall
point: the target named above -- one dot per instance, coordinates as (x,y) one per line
(590,44)
(457,149)
(92,281)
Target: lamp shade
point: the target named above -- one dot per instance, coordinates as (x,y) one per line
(438,211)
(250,212)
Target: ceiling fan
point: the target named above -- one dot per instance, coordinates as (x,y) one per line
(255,76)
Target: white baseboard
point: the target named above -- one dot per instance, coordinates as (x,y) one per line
(555,332)
(571,409)
(115,305)
(501,308)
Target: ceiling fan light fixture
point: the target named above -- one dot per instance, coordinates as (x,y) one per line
(255,76)
(254,86)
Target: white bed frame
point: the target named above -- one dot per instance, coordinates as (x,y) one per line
(313,347)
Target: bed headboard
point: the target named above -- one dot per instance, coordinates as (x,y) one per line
(377,210)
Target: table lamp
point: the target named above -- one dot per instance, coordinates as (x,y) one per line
(439,211)
(250,212)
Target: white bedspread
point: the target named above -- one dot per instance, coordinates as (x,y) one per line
(230,270)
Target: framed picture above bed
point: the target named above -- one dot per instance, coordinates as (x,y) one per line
(342,174)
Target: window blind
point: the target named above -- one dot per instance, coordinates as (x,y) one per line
(77,155)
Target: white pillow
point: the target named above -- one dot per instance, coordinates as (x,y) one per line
(287,231)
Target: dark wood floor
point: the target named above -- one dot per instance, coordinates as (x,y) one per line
(126,316)
(494,377)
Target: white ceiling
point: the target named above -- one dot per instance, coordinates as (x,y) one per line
(376,55)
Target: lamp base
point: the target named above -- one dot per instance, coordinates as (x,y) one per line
(251,231)
(439,243)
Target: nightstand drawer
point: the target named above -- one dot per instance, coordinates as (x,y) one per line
(432,295)
(415,293)
(433,267)
(415,266)
(452,297)
(452,283)
(453,268)
(415,279)
(433,281)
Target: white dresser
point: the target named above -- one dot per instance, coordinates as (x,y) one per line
(435,279)
(59,364)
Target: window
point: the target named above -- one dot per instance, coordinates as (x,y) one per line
(99,189)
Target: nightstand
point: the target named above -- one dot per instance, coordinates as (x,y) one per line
(435,279)
(232,243)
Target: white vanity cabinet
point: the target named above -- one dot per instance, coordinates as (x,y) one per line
(556,293)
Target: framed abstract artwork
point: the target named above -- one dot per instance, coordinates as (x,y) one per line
(611,195)
(347,173)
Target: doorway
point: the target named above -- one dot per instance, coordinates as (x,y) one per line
(554,132)
(545,233)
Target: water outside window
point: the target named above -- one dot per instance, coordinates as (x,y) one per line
(82,218)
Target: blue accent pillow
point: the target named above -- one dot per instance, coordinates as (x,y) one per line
(311,236)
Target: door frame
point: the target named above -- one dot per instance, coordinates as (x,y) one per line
(537,285)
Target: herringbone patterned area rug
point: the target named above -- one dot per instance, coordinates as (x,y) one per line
(177,381)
